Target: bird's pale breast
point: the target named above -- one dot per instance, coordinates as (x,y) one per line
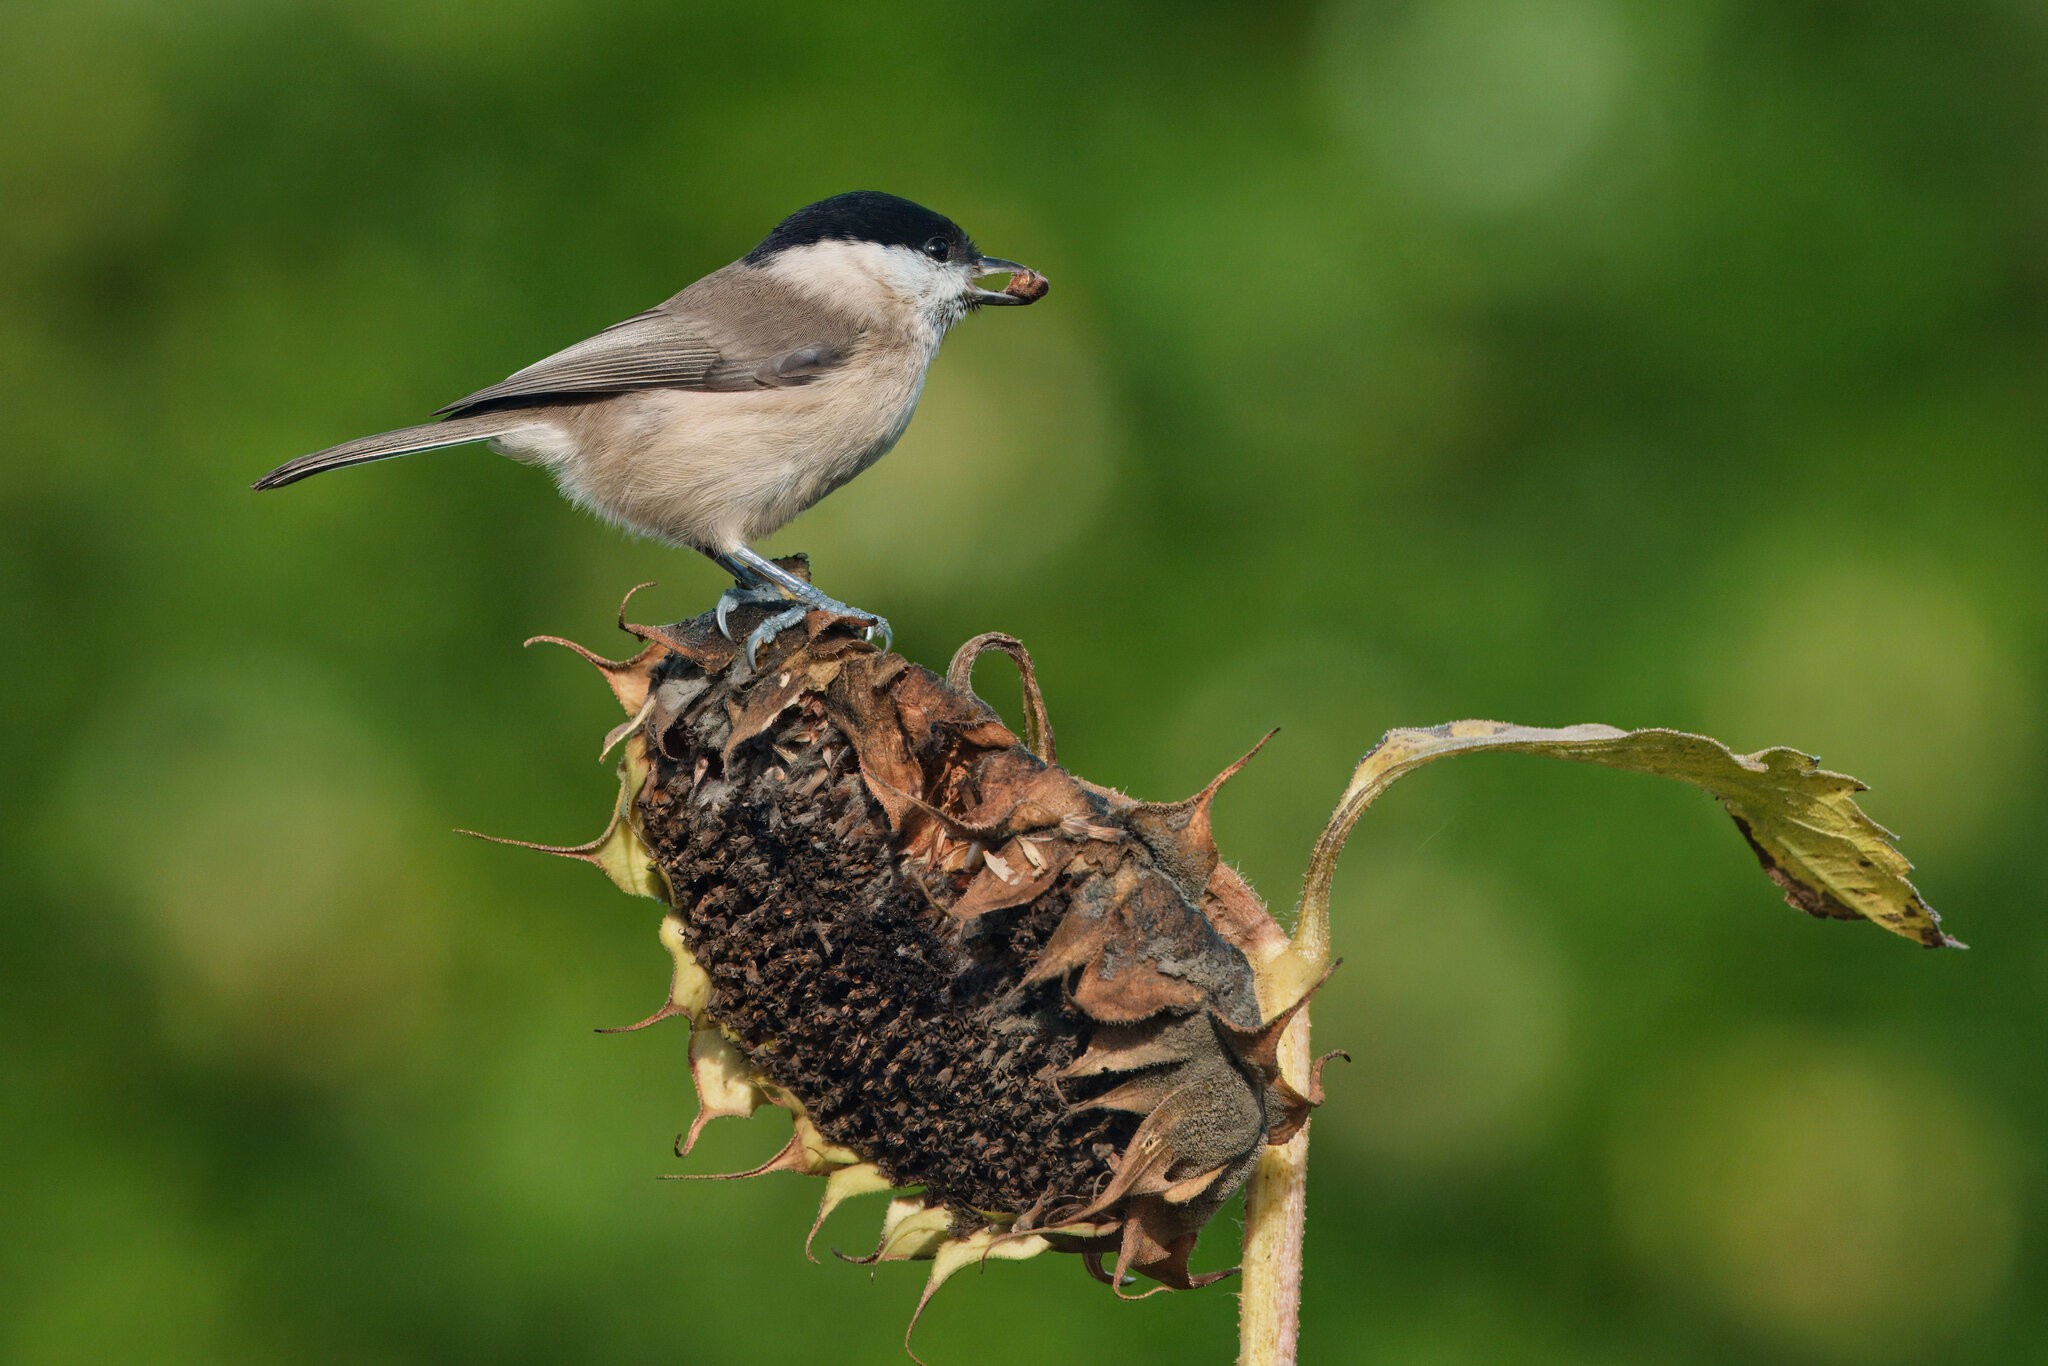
(717,470)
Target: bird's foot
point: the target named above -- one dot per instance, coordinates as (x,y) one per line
(742,596)
(790,608)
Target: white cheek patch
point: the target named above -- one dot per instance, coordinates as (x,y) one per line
(895,281)
(842,268)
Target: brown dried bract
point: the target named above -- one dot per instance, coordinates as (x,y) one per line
(965,971)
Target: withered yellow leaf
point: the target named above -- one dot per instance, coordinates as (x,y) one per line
(1803,822)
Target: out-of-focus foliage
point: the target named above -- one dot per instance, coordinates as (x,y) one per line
(1675,364)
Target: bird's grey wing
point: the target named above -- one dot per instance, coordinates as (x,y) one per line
(658,349)
(800,366)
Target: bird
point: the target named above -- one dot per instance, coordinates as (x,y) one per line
(712,419)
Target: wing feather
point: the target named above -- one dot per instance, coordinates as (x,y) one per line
(646,351)
(738,328)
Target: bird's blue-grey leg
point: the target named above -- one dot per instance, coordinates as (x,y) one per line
(748,590)
(759,581)
(809,595)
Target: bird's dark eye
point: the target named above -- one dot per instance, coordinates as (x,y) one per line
(938,248)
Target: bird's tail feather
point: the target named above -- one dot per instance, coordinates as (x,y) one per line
(432,436)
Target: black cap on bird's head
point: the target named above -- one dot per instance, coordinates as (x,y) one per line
(866,216)
(891,221)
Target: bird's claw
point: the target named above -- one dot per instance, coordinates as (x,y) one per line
(771,627)
(789,610)
(739,596)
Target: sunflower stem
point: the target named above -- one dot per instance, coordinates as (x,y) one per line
(1275,1211)
(1276,1199)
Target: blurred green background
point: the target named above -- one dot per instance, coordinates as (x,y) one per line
(1549,360)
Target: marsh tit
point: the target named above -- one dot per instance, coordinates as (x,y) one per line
(711,420)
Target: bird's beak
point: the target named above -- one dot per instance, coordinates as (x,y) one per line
(1026,285)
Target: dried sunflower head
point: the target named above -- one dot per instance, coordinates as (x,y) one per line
(1029,1005)
(1045,1015)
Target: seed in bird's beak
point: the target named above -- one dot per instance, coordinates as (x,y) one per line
(1026,285)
